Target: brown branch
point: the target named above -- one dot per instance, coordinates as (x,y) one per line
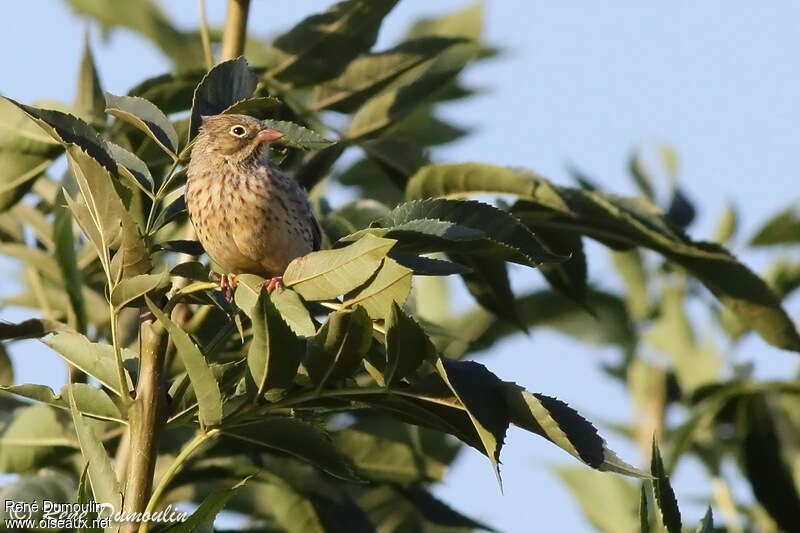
(233,35)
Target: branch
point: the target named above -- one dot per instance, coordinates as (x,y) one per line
(233,35)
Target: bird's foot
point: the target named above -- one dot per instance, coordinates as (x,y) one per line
(227,284)
(273,283)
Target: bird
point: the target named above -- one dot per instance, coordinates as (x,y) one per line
(249,216)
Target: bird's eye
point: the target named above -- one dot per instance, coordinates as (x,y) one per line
(238,131)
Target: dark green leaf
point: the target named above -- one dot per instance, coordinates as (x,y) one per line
(480,392)
(89,101)
(145,116)
(665,497)
(259,106)
(321,46)
(407,346)
(644,515)
(209,399)
(171,92)
(707,523)
(367,74)
(336,351)
(64,240)
(568,277)
(275,350)
(131,167)
(428,266)
(680,212)
(224,85)
(298,439)
(204,515)
(487,281)
(783,228)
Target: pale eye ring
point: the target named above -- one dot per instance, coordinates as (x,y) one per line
(238,131)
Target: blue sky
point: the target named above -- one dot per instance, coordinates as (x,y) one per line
(578,82)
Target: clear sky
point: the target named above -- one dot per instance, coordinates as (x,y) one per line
(579,82)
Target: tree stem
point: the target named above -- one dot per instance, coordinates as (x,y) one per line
(233,35)
(146,417)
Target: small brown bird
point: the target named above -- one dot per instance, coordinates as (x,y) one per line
(249,215)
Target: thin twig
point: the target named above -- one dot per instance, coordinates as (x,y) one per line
(201,7)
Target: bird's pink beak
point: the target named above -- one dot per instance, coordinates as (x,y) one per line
(268,135)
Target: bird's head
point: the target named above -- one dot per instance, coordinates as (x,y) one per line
(234,137)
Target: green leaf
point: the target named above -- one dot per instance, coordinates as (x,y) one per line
(64,240)
(275,351)
(103,217)
(206,388)
(665,497)
(726,225)
(563,426)
(322,45)
(146,117)
(288,303)
(644,515)
(783,228)
(171,92)
(131,167)
(469,178)
(299,439)
(296,136)
(338,348)
(329,273)
(101,472)
(206,512)
(707,523)
(568,277)
(640,175)
(44,486)
(426,129)
(487,282)
(224,85)
(258,107)
(459,226)
(480,392)
(96,359)
(352,217)
(89,400)
(146,18)
(70,130)
(407,346)
(391,458)
(608,502)
(765,443)
(390,285)
(369,73)
(428,266)
(129,291)
(31,437)
(630,266)
(89,100)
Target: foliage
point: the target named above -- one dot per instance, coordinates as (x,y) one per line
(256,387)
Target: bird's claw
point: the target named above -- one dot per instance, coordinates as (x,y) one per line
(272,283)
(227,284)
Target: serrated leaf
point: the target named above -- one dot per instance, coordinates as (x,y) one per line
(567,277)
(89,399)
(480,392)
(299,439)
(70,130)
(644,514)
(101,472)
(258,106)
(665,497)
(329,273)
(145,116)
(296,136)
(407,346)
(321,46)
(224,85)
(132,289)
(367,74)
(103,217)
(131,167)
(170,92)
(206,388)
(338,348)
(707,523)
(389,285)
(428,266)
(96,359)
(275,351)
(30,437)
(467,227)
